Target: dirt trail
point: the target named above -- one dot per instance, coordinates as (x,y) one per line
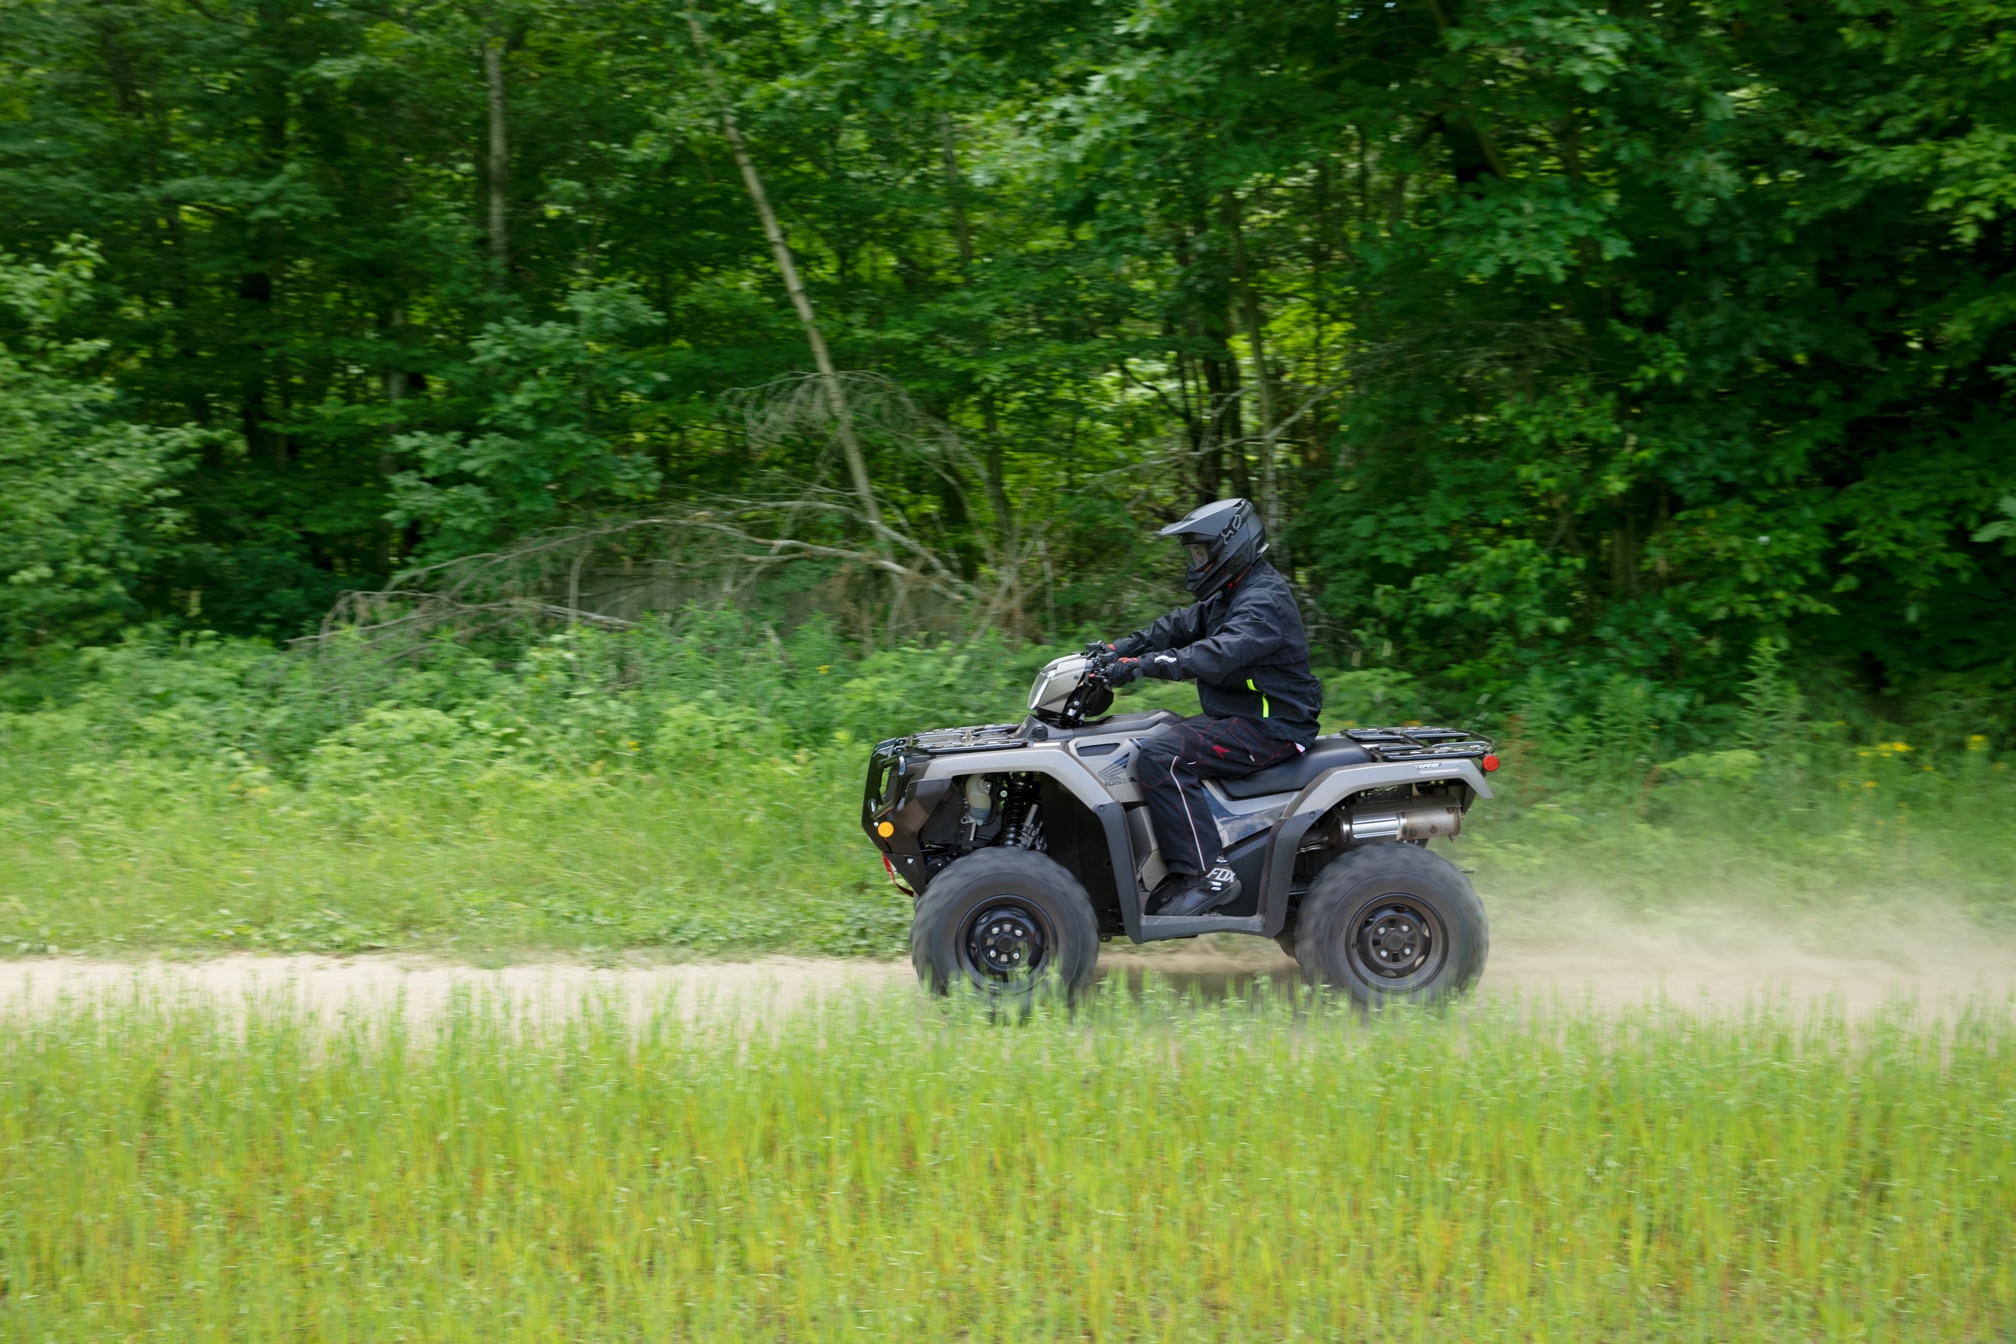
(1575,956)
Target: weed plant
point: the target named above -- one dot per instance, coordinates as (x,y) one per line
(880,1168)
(1782,812)
(693,790)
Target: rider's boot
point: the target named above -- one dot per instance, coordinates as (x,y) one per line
(1202,895)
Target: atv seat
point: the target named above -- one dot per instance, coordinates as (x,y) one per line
(1290,776)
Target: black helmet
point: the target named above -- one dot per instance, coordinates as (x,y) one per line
(1224,538)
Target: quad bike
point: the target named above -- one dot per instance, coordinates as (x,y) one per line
(1026,845)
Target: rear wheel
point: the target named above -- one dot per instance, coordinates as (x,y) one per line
(1392,924)
(1007,924)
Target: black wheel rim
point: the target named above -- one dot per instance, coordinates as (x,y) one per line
(1398,944)
(1007,945)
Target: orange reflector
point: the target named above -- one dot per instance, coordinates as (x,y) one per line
(1490,762)
(887,829)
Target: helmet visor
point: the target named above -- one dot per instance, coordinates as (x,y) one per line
(1200,553)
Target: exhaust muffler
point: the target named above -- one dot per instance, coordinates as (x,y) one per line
(1410,819)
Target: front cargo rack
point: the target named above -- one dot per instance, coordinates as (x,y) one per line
(1418,744)
(986,737)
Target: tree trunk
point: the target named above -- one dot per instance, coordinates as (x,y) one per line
(500,158)
(1487,143)
(997,482)
(836,396)
(255,289)
(962,230)
(1225,418)
(1324,245)
(395,382)
(955,188)
(1263,385)
(1205,454)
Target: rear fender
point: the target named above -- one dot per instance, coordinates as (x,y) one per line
(1325,792)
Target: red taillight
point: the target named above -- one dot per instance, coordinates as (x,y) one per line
(1489,763)
(901,885)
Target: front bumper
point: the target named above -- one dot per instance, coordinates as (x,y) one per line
(896,799)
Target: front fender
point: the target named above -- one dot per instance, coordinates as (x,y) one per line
(1067,771)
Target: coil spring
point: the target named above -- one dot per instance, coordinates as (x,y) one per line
(1025,824)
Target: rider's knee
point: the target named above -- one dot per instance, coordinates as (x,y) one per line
(1157,764)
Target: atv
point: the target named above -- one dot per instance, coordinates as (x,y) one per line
(1026,845)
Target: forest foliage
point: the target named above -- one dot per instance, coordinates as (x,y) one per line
(1601,339)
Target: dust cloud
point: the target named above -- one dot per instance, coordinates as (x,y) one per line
(1563,953)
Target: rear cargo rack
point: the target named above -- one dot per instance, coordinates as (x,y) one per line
(1421,744)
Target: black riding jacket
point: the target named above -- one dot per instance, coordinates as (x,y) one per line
(1246,648)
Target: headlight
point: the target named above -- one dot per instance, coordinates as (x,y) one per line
(1054,684)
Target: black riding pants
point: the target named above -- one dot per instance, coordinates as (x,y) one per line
(1172,769)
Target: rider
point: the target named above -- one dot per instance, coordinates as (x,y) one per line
(1242,640)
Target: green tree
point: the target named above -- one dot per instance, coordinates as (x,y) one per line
(84,496)
(559,403)
(1596,339)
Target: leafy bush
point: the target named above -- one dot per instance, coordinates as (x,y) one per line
(694,785)
(85,497)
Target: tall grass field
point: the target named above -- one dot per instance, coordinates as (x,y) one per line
(879,1168)
(695,791)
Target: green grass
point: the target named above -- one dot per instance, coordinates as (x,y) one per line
(763,856)
(1866,834)
(883,1169)
(762,852)
(695,792)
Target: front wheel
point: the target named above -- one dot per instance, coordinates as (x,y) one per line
(1008,924)
(1392,924)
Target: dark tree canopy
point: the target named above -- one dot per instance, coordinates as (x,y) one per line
(1549,334)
